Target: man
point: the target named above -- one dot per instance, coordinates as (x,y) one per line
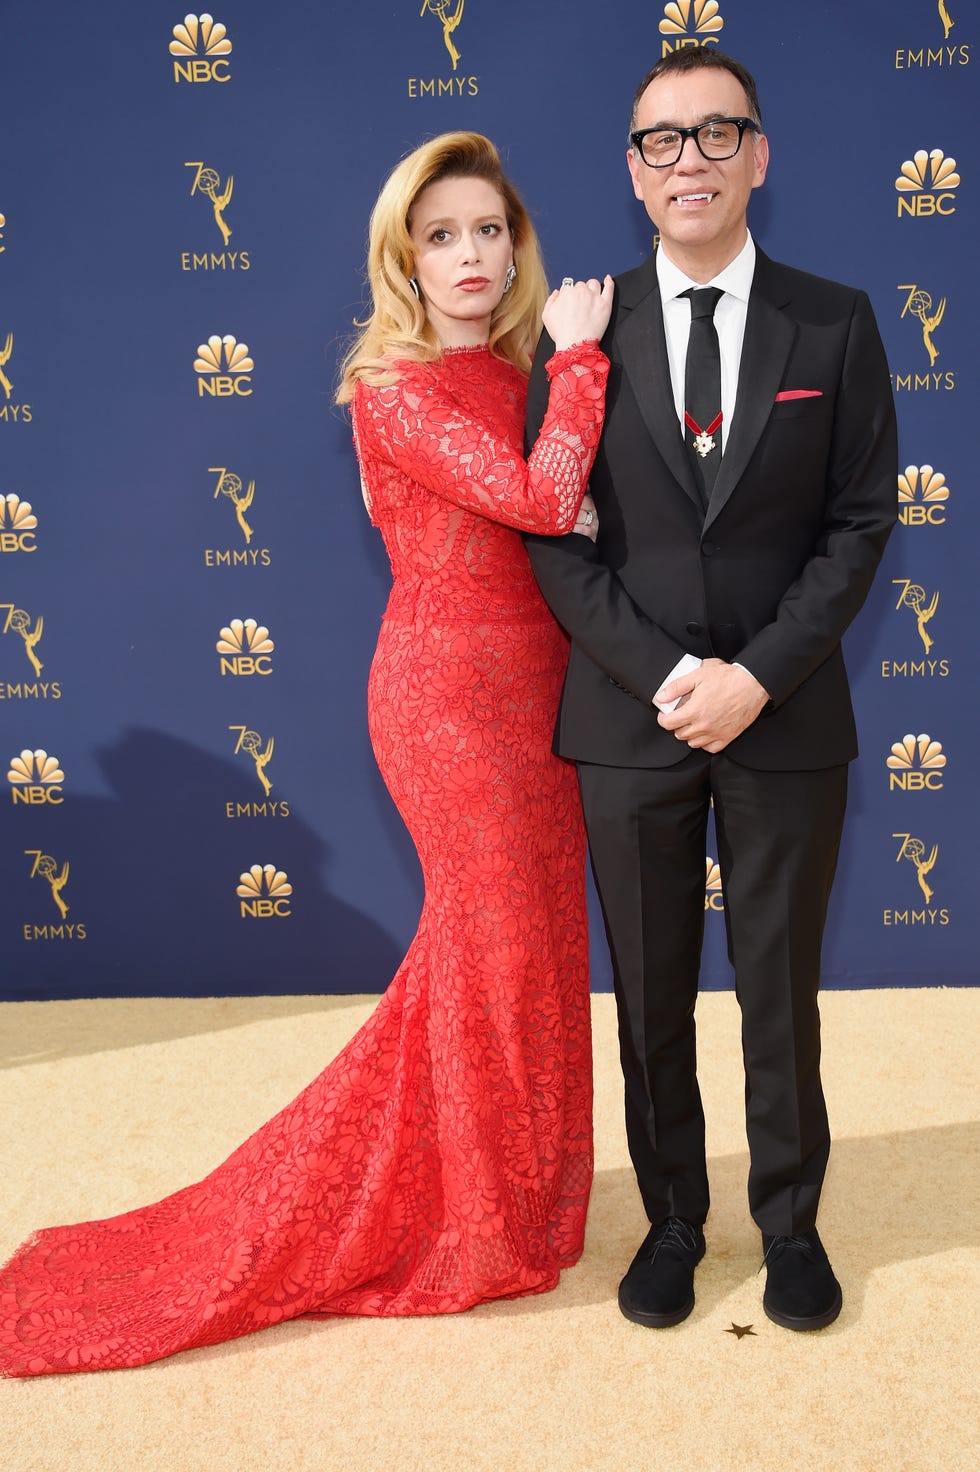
(745,488)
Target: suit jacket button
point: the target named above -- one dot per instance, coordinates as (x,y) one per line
(709,549)
(695,629)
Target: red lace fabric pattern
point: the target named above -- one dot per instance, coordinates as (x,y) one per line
(445,1156)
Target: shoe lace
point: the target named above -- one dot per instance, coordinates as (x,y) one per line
(677,1232)
(780,1244)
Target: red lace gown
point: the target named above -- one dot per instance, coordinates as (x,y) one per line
(445,1157)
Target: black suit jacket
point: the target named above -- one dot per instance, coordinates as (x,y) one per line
(772,575)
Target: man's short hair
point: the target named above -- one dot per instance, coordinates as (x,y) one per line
(692,58)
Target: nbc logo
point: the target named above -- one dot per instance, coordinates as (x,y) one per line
(925,185)
(224,365)
(922,496)
(690,23)
(35,778)
(915,763)
(264,892)
(17,524)
(200,47)
(245,647)
(713,897)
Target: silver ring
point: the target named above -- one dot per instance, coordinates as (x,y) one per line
(589,518)
(568,281)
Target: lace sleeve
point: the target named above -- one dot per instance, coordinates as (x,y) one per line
(418,426)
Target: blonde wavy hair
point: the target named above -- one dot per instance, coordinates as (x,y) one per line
(398,326)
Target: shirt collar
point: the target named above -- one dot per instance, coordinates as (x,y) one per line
(735,279)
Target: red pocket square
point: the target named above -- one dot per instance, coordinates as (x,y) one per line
(798,393)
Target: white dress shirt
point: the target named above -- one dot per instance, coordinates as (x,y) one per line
(735,282)
(730,313)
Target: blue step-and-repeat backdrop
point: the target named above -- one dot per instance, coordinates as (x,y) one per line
(189,588)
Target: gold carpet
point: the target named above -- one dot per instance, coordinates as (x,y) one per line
(110,1104)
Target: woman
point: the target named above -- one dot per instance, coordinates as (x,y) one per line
(444,1158)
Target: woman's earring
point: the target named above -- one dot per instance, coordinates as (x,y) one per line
(415,287)
(511,277)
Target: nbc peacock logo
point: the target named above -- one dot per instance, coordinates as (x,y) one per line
(200,48)
(690,23)
(925,185)
(916,764)
(713,896)
(224,368)
(18,523)
(263,893)
(245,648)
(35,779)
(922,496)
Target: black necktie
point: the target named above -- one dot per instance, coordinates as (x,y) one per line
(702,389)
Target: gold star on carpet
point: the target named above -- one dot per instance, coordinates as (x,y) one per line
(740,1331)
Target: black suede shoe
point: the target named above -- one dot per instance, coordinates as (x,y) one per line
(658,1289)
(801,1290)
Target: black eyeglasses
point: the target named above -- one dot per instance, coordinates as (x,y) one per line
(721,138)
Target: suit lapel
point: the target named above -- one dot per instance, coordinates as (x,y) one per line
(643,349)
(769,337)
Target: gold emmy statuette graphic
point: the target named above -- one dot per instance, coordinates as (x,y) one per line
(17,524)
(208,181)
(251,742)
(946,18)
(681,17)
(263,892)
(3,222)
(230,485)
(440,9)
(35,778)
(913,596)
(19,620)
(922,496)
(919,303)
(47,867)
(921,195)
(914,849)
(5,352)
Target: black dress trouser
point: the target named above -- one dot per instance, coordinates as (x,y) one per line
(778,835)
